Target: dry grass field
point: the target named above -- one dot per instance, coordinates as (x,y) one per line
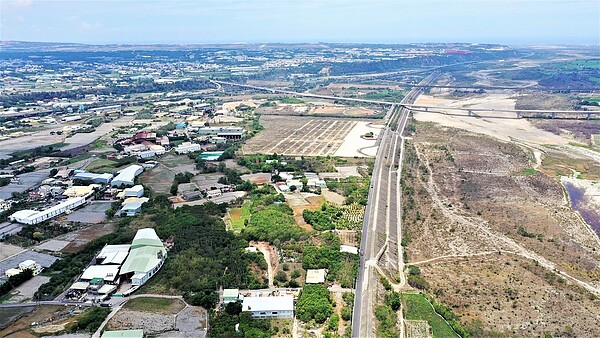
(496,239)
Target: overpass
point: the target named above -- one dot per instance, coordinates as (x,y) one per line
(421,108)
(553,113)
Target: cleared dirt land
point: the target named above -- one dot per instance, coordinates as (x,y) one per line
(308,136)
(169,316)
(506,127)
(496,239)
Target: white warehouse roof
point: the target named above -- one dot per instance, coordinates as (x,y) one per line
(113,254)
(127,175)
(279,303)
(34,217)
(107,272)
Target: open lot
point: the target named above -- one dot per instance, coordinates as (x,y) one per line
(79,238)
(308,136)
(7,250)
(506,127)
(166,317)
(94,212)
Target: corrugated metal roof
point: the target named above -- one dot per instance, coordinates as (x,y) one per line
(279,303)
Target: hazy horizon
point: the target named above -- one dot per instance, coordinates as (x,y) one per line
(508,22)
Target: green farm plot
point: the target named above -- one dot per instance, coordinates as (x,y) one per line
(597,139)
(102,165)
(239,216)
(417,307)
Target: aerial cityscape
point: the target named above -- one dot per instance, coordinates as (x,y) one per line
(298,177)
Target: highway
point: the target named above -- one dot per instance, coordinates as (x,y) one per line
(381,249)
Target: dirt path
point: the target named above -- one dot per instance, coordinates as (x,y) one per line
(271,257)
(497,240)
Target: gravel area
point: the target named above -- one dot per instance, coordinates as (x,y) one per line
(94,213)
(151,323)
(26,290)
(54,245)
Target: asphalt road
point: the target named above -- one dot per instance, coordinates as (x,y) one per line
(381,235)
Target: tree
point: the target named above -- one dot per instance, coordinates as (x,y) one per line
(314,303)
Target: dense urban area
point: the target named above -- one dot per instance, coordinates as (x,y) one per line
(299,190)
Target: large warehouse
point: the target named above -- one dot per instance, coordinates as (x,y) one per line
(35,217)
(146,257)
(127,176)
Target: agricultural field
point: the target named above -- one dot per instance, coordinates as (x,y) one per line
(307,136)
(417,307)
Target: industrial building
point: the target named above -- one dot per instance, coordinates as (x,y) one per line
(231,295)
(269,307)
(84,191)
(132,206)
(112,254)
(230,133)
(187,147)
(135,191)
(127,176)
(94,178)
(35,217)
(146,257)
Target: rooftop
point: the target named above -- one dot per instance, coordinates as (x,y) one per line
(279,303)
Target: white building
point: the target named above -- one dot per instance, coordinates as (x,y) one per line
(35,217)
(135,191)
(315,276)
(269,307)
(132,206)
(95,178)
(112,254)
(187,147)
(109,273)
(127,176)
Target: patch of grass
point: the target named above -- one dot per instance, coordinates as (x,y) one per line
(151,304)
(101,164)
(291,100)
(597,139)
(594,99)
(528,171)
(239,216)
(417,307)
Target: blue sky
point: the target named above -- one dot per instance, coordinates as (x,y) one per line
(236,21)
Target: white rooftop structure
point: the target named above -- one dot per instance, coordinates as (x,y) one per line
(269,307)
(127,176)
(35,217)
(135,191)
(187,147)
(349,249)
(113,254)
(107,272)
(315,276)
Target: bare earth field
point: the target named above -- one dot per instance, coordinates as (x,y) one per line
(497,240)
(309,137)
(505,128)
